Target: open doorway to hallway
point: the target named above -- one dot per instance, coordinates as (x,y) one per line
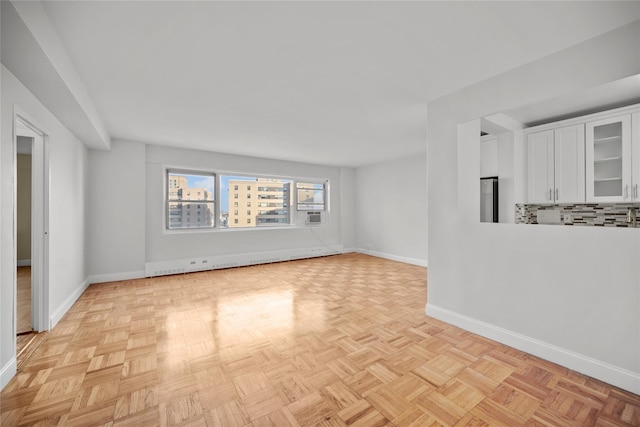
(24,146)
(24,324)
(31,228)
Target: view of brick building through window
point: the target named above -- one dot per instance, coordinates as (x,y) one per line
(189,207)
(244,201)
(259,202)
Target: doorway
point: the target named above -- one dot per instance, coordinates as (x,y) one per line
(31,232)
(24,321)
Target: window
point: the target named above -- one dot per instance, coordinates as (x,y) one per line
(311,197)
(196,199)
(187,191)
(275,191)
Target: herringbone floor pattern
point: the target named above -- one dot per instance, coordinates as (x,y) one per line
(333,341)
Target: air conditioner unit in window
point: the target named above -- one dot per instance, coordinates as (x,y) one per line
(314,217)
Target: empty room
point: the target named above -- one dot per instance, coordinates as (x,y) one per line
(320,213)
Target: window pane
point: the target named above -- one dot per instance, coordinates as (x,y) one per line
(311,197)
(190,186)
(190,200)
(272,195)
(190,215)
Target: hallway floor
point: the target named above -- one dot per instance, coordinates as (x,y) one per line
(24,300)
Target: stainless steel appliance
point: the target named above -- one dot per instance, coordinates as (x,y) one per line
(489,199)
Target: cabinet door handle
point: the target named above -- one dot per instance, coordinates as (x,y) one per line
(556,194)
(550,196)
(626,191)
(635,191)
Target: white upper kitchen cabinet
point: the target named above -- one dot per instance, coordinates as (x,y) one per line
(540,158)
(569,164)
(556,168)
(488,156)
(612,159)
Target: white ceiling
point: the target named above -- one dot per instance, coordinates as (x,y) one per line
(339,83)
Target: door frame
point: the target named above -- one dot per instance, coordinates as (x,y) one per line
(24,125)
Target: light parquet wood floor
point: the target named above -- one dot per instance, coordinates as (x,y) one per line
(333,341)
(24,347)
(23,277)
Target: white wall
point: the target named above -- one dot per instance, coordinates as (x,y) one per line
(67,220)
(117,183)
(570,295)
(126,209)
(506,182)
(391,209)
(68,190)
(348,208)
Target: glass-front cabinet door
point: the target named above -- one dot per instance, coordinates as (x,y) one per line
(608,160)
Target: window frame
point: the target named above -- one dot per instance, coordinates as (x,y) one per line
(296,216)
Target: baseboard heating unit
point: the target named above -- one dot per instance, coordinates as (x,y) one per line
(189,265)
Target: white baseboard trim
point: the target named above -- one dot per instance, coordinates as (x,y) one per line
(349,250)
(23,263)
(115,277)
(603,371)
(406,260)
(8,371)
(66,305)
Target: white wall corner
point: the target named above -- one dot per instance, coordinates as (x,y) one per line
(406,260)
(8,371)
(67,304)
(614,375)
(115,277)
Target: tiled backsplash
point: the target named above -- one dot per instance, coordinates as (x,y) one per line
(583,214)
